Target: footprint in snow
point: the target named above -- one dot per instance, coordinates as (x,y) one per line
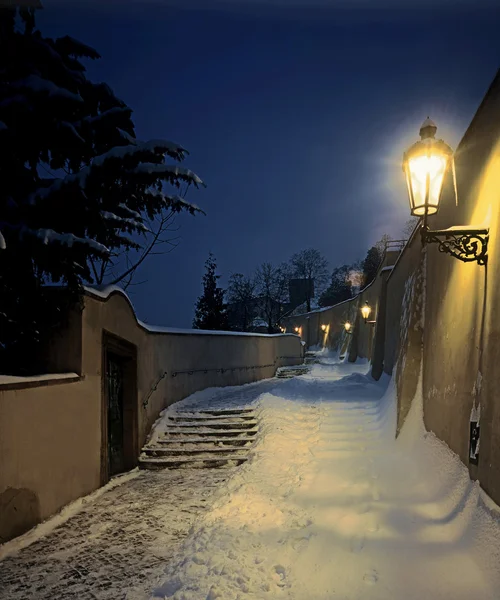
(299,543)
(357,543)
(371,577)
(279,575)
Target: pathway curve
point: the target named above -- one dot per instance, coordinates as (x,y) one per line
(332,507)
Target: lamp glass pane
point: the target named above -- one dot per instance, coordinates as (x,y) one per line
(421,169)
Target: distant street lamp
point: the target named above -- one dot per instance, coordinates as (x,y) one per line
(323,327)
(347,327)
(297,329)
(425,165)
(366,309)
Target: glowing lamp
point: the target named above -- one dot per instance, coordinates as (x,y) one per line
(297,329)
(323,327)
(347,326)
(366,309)
(425,165)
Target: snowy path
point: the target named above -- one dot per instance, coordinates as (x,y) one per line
(117,545)
(333,507)
(330,507)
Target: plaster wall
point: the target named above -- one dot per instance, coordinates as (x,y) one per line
(462,330)
(51,432)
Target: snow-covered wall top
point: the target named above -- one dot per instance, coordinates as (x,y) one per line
(104,292)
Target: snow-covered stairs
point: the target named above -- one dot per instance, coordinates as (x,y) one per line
(287,372)
(203,439)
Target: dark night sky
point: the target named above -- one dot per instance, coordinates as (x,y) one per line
(296,119)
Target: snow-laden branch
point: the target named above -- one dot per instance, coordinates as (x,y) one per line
(175,202)
(127,136)
(109,216)
(70,127)
(72,47)
(158,146)
(67,239)
(120,152)
(173,170)
(48,236)
(116,110)
(134,213)
(38,84)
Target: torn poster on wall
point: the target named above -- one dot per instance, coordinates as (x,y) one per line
(474,435)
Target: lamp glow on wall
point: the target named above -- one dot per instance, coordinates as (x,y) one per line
(425,165)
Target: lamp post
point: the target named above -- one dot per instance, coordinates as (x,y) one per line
(425,165)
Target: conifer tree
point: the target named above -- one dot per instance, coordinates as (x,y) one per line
(77,188)
(210,307)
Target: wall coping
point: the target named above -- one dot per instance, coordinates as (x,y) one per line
(12,382)
(103,293)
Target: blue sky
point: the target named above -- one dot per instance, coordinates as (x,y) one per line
(296,118)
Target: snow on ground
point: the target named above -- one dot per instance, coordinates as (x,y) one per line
(331,506)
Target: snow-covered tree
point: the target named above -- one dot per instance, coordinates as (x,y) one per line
(78,187)
(210,312)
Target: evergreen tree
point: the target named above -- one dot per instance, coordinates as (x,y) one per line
(77,185)
(210,307)
(371,264)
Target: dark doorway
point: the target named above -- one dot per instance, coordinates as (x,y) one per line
(114,378)
(119,407)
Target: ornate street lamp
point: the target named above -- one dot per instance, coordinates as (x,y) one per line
(366,309)
(425,165)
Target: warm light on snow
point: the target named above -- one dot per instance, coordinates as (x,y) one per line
(332,506)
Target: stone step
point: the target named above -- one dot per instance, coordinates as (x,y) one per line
(194,463)
(225,411)
(188,451)
(195,418)
(224,433)
(235,441)
(213,425)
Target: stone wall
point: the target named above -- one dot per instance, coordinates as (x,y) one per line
(51,429)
